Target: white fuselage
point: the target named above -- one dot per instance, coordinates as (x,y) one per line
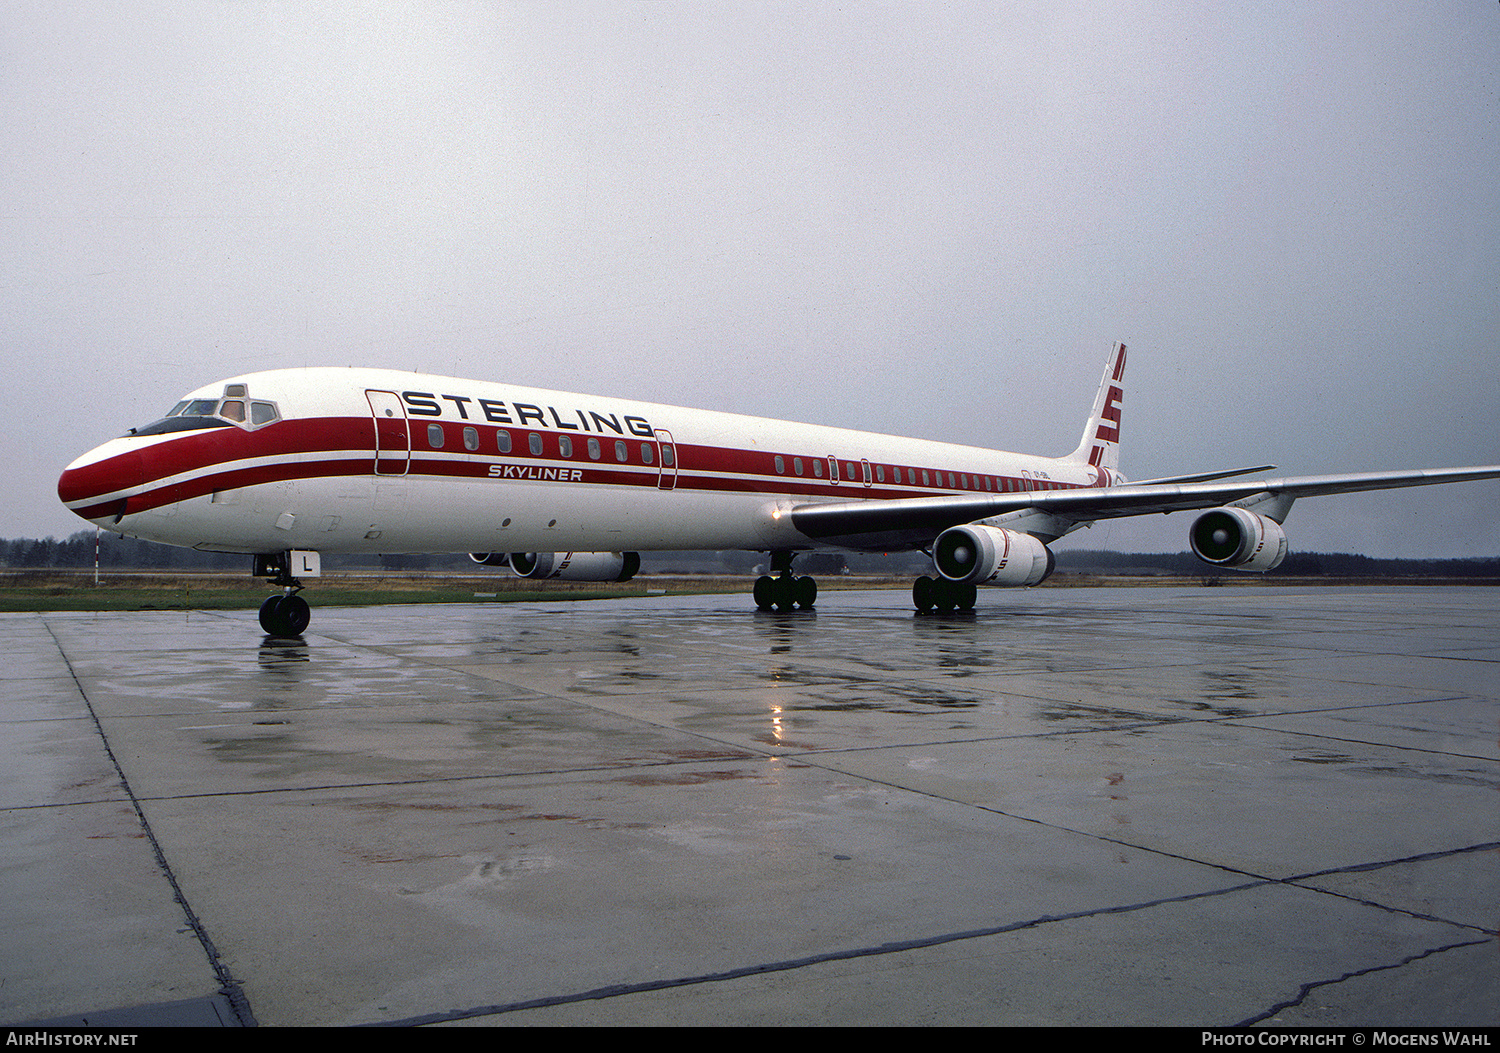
(360,460)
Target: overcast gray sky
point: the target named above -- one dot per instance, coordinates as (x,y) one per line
(929,219)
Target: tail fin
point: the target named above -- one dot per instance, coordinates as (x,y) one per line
(1100,445)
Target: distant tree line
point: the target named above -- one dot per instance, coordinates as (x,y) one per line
(1296,565)
(123,553)
(127,553)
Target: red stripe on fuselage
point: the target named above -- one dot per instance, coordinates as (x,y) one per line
(200,450)
(703,468)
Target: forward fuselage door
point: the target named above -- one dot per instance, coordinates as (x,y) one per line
(392,434)
(667,480)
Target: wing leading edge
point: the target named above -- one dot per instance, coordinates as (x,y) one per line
(915,522)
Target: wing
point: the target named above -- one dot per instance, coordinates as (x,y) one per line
(915,522)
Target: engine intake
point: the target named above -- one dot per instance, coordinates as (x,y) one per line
(1240,539)
(491,559)
(577,566)
(986,555)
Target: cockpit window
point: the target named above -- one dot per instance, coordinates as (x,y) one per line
(235,408)
(181,423)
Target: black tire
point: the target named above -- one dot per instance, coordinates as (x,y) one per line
(786,593)
(765,592)
(270,616)
(806,592)
(296,615)
(924,593)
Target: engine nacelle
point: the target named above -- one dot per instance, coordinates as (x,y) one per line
(491,559)
(1237,538)
(577,566)
(986,555)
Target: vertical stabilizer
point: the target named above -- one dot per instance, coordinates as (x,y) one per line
(1100,445)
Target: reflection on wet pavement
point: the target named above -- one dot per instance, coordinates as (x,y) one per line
(476,811)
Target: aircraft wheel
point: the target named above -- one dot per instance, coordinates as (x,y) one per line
(786,593)
(765,592)
(968,595)
(806,592)
(296,614)
(924,593)
(270,615)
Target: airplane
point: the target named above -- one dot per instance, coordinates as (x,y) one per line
(289,464)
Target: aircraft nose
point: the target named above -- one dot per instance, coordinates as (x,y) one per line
(97,485)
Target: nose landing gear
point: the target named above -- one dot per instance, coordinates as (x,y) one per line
(287,614)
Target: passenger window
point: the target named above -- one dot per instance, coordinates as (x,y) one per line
(797,465)
(818,468)
(622,454)
(594,450)
(565,445)
(647,457)
(502,441)
(535,442)
(667,455)
(435,436)
(780,465)
(880,473)
(471,439)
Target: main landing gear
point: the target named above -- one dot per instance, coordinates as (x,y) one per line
(288,613)
(940,594)
(785,591)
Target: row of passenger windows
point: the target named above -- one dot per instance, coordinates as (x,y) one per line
(566,447)
(863,471)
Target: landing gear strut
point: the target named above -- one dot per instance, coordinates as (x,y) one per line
(786,590)
(288,613)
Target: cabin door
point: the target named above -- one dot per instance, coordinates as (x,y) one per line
(668,450)
(392,435)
